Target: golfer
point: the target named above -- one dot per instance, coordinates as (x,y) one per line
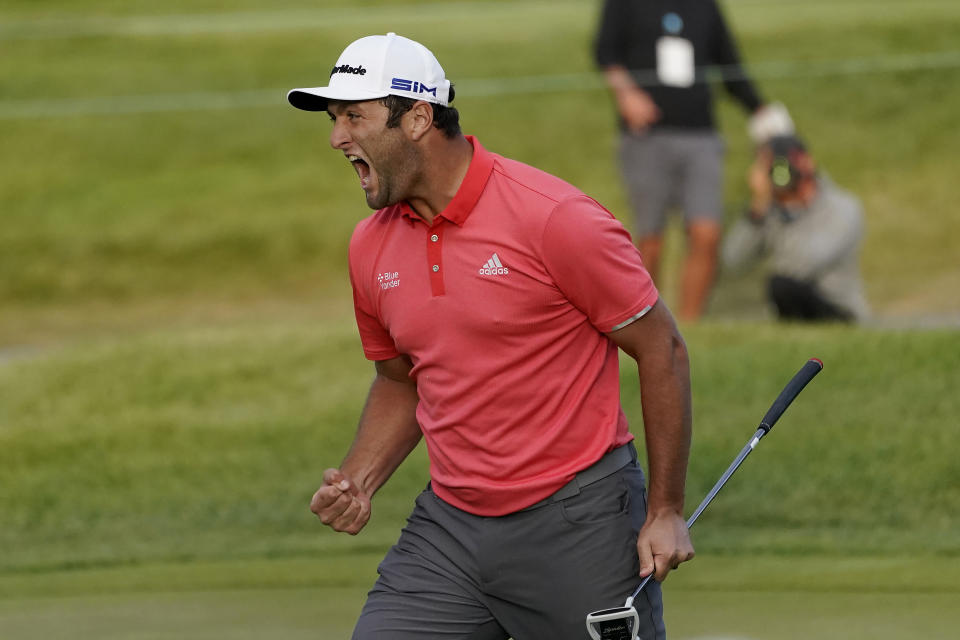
(493,298)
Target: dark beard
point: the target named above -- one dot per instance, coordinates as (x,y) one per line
(394,181)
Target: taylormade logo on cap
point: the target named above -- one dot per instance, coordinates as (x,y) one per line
(345,68)
(375,67)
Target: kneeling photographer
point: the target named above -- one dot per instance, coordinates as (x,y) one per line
(811,230)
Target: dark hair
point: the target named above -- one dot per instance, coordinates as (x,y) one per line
(447,119)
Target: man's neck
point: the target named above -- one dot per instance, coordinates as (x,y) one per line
(445,166)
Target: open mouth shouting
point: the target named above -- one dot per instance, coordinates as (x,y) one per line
(362,168)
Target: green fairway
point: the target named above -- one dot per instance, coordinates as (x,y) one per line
(164,446)
(144,473)
(752,598)
(178,362)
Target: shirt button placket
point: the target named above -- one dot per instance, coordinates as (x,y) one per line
(434,260)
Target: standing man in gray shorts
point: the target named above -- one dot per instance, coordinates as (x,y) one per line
(493,299)
(654,56)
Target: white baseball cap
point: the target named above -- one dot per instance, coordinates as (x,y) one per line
(375,67)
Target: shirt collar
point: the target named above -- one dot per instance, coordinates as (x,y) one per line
(481,166)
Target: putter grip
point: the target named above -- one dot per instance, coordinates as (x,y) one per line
(793,388)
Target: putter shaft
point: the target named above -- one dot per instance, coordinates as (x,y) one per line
(812,367)
(710,496)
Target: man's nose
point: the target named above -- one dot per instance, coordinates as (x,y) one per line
(338,135)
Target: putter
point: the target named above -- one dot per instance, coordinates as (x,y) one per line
(621,623)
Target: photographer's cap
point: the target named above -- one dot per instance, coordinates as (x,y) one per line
(375,67)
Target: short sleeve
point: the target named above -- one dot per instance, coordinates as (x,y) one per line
(609,45)
(374,337)
(593,261)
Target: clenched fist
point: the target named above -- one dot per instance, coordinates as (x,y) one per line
(340,504)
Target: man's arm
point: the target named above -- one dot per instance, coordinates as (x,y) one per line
(746,241)
(664,369)
(387,433)
(735,78)
(613,33)
(635,105)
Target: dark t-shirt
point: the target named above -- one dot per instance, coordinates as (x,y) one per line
(630,33)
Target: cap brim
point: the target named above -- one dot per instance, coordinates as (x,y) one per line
(316,98)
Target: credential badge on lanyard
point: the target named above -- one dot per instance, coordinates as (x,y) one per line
(675,63)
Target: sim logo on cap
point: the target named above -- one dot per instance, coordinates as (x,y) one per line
(401,84)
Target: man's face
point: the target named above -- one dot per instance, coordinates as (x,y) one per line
(385,160)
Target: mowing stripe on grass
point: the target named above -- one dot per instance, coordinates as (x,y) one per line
(478,87)
(74,25)
(252,21)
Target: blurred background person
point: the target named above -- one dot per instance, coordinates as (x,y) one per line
(810,228)
(654,56)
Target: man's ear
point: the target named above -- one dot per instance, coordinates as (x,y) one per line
(418,121)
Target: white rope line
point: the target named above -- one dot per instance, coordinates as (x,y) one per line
(146,103)
(478,87)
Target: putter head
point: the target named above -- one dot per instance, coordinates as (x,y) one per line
(619,623)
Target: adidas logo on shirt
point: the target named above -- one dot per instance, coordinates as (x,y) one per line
(493,267)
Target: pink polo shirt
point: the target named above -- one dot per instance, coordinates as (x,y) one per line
(502,304)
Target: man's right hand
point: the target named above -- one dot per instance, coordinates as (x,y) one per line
(638,109)
(340,504)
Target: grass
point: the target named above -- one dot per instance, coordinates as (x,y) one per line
(156,486)
(177,440)
(178,363)
(766,597)
(181,440)
(244,202)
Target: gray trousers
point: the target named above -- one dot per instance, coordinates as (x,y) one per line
(530,575)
